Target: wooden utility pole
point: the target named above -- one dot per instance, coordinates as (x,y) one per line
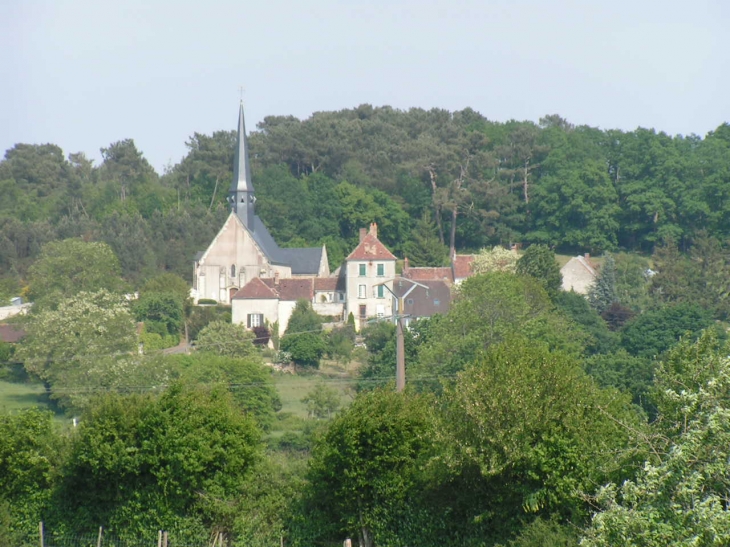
(40,532)
(400,355)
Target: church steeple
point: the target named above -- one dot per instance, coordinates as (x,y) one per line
(241,195)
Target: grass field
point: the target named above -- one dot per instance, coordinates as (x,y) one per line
(293,387)
(19,396)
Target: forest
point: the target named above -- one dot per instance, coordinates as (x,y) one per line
(531,416)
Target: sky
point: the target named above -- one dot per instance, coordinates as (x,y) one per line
(83,74)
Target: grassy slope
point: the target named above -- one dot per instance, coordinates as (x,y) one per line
(19,396)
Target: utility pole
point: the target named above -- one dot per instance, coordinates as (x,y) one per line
(400,351)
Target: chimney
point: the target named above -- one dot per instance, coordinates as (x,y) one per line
(276,278)
(363,233)
(405,265)
(373,229)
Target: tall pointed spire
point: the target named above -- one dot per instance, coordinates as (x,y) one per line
(241,194)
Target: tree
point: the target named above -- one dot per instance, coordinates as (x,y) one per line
(303,338)
(162,313)
(365,469)
(87,342)
(533,431)
(498,259)
(602,293)
(65,268)
(599,338)
(143,463)
(424,247)
(226,339)
(488,309)
(248,380)
(321,401)
(679,498)
(654,332)
(304,318)
(539,262)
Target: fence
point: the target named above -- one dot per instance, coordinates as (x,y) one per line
(103,539)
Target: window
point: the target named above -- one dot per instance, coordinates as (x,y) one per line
(409,301)
(363,270)
(362,291)
(342,297)
(363,314)
(255,320)
(233,270)
(381,270)
(381,291)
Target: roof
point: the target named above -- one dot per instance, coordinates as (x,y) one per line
(302,261)
(10,334)
(329,284)
(423,302)
(255,289)
(281,289)
(370,248)
(292,288)
(425,274)
(241,168)
(462,266)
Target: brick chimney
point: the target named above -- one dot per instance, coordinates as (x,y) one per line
(406,266)
(276,278)
(373,229)
(363,233)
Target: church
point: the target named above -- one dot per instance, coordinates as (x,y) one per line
(246,269)
(244,249)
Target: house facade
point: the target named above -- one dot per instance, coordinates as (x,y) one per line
(578,274)
(244,249)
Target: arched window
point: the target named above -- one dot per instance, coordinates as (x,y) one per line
(233,270)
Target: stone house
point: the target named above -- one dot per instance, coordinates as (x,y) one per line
(578,274)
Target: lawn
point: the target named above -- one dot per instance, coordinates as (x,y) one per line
(19,396)
(293,387)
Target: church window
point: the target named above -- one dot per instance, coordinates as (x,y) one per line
(363,268)
(254,320)
(381,270)
(233,270)
(362,291)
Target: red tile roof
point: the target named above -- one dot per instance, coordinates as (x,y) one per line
(10,334)
(327,284)
(429,274)
(255,289)
(462,266)
(370,248)
(293,288)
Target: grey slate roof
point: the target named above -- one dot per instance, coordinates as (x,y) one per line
(303,261)
(241,167)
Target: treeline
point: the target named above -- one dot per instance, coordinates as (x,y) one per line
(531,417)
(431,179)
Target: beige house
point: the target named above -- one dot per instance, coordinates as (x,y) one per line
(368,270)
(244,249)
(578,274)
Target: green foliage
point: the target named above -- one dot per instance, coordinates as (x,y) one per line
(632,281)
(365,469)
(654,332)
(424,247)
(620,370)
(306,349)
(603,291)
(322,401)
(538,431)
(497,259)
(248,381)
(87,342)
(151,341)
(304,318)
(200,316)
(539,262)
(31,453)
(68,267)
(341,343)
(141,463)
(226,339)
(599,338)
(488,309)
(546,533)
(679,496)
(167,283)
(162,309)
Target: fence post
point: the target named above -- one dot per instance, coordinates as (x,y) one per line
(40,532)
(98,540)
(159,538)
(164,539)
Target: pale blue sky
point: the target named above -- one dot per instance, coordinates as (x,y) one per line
(85,73)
